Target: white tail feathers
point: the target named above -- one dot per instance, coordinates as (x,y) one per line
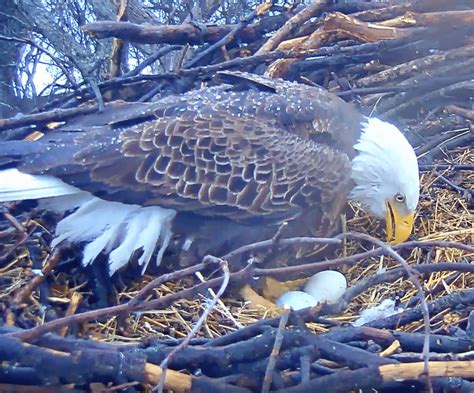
(115,228)
(18,186)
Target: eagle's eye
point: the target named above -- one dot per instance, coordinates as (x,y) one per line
(400,198)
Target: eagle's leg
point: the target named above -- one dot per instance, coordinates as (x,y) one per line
(271,290)
(250,295)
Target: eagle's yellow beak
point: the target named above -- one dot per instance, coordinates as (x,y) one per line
(399,225)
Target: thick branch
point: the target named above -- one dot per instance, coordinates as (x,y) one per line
(291,25)
(187,33)
(446,18)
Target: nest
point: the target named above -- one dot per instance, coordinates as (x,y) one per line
(180,336)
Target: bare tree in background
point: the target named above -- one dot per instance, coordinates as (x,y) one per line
(63,53)
(38,35)
(11,54)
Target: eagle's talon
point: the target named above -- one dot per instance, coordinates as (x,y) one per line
(250,295)
(271,290)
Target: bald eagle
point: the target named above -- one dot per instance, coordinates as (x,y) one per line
(252,152)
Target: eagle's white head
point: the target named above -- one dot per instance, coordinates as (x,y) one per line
(385,173)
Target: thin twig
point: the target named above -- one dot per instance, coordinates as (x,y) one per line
(14,222)
(454,167)
(225,310)
(24,235)
(98,95)
(455,187)
(441,141)
(66,73)
(245,273)
(76,298)
(151,59)
(176,275)
(164,364)
(410,271)
(284,242)
(52,261)
(267,380)
(394,274)
(228,38)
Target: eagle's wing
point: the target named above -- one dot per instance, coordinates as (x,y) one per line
(217,151)
(309,111)
(218,165)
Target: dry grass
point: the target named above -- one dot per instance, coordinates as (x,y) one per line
(443,214)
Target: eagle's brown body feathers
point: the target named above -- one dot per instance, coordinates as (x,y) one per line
(257,150)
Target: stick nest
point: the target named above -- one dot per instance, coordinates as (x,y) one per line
(384,59)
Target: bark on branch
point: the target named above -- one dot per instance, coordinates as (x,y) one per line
(187,33)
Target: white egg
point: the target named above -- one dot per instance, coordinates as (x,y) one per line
(296,300)
(327,286)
